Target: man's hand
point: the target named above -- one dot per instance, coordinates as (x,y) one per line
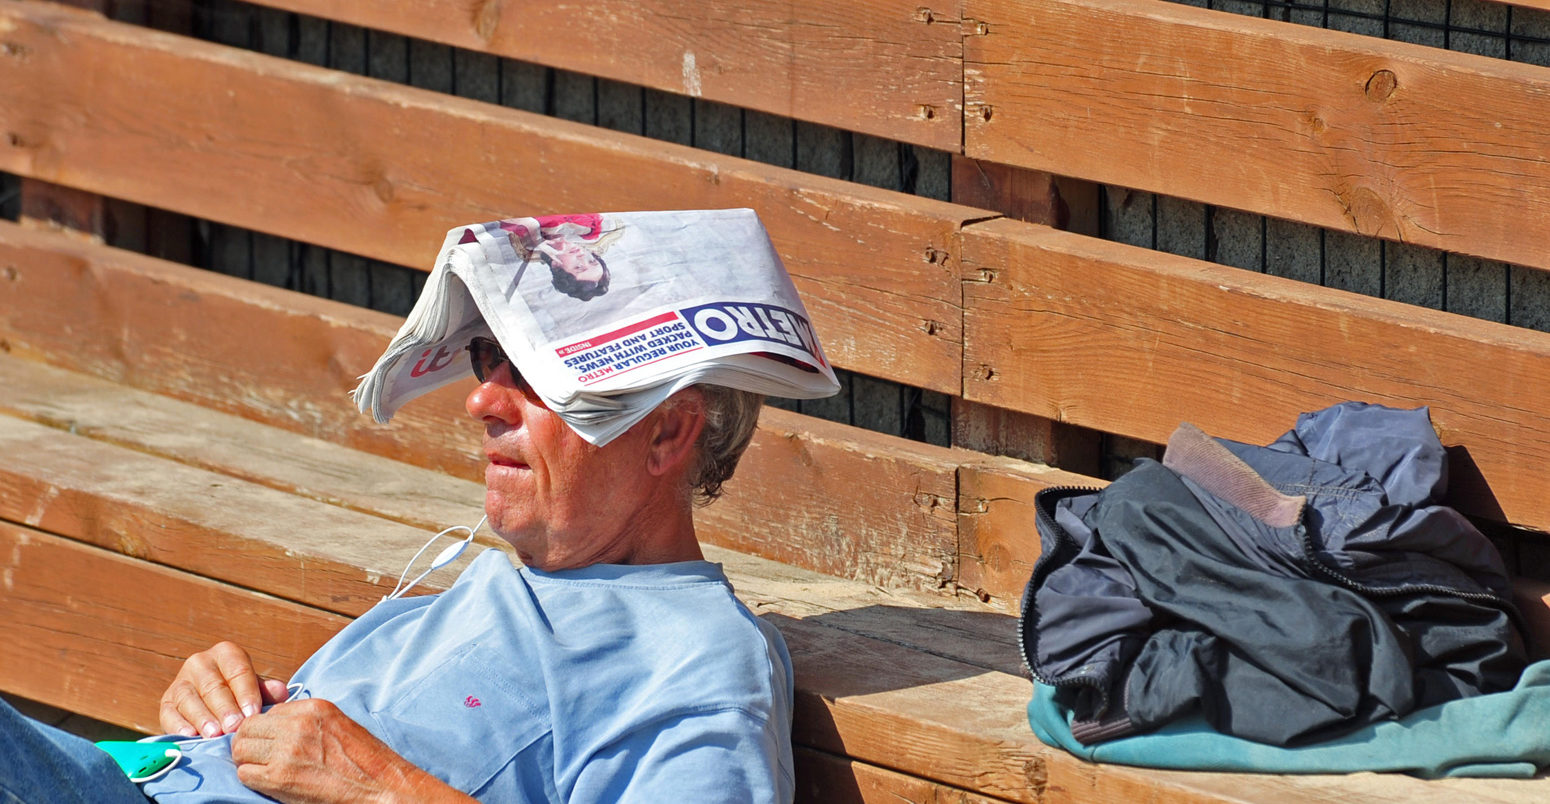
(309,751)
(214,691)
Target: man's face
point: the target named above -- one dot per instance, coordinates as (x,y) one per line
(561,502)
(579,263)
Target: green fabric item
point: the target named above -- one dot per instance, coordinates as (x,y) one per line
(1504,735)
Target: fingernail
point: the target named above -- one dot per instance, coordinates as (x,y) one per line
(231,722)
(248,710)
(187,731)
(209,729)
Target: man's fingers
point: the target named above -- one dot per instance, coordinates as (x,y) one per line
(213,692)
(187,706)
(173,721)
(251,743)
(236,668)
(274,690)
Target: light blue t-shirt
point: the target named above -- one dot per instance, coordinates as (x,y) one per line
(609,683)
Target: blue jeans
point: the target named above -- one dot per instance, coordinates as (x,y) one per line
(41,765)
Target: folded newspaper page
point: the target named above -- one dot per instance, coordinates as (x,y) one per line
(608,314)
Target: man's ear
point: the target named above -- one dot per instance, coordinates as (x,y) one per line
(677,429)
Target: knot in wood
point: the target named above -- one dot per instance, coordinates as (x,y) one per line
(1381,85)
(1036,774)
(998,557)
(923,14)
(384,190)
(487,19)
(1368,213)
(1316,124)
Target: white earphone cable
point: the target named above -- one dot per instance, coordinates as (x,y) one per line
(445,557)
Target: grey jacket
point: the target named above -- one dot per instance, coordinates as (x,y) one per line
(1287,592)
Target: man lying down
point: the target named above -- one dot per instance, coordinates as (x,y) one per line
(615,664)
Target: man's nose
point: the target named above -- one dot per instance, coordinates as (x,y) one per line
(496,399)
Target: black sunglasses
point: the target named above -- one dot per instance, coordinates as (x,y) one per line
(486,357)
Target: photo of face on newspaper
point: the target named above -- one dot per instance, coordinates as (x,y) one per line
(602,270)
(576,272)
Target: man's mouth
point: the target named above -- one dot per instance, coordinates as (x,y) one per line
(502,460)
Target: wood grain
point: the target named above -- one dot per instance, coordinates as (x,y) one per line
(998,542)
(175,330)
(830,497)
(382,171)
(246,450)
(848,502)
(1348,132)
(93,631)
(814,478)
(199,521)
(831,779)
(1135,342)
(884,67)
(911,683)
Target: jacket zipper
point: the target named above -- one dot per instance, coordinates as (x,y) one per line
(1045,522)
(1310,552)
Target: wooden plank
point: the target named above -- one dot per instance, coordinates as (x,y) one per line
(1084,331)
(887,67)
(854,503)
(176,330)
(1389,139)
(907,682)
(382,170)
(861,505)
(199,521)
(890,522)
(205,439)
(89,630)
(823,777)
(869,704)
(999,431)
(957,725)
(1026,195)
(997,540)
(1035,197)
(44,205)
(1533,599)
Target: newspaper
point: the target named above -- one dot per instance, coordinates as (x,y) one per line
(608,314)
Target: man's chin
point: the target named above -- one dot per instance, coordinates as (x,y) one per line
(527,551)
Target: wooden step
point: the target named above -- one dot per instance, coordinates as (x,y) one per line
(905,682)
(1134,342)
(1396,140)
(830,497)
(896,73)
(385,170)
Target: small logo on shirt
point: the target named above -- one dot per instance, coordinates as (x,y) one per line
(470,702)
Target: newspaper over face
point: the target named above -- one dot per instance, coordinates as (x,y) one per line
(608,314)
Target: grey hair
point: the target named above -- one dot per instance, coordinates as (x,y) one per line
(730,418)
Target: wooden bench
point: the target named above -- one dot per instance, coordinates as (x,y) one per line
(181,462)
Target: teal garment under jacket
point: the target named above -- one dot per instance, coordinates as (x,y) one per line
(1504,735)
